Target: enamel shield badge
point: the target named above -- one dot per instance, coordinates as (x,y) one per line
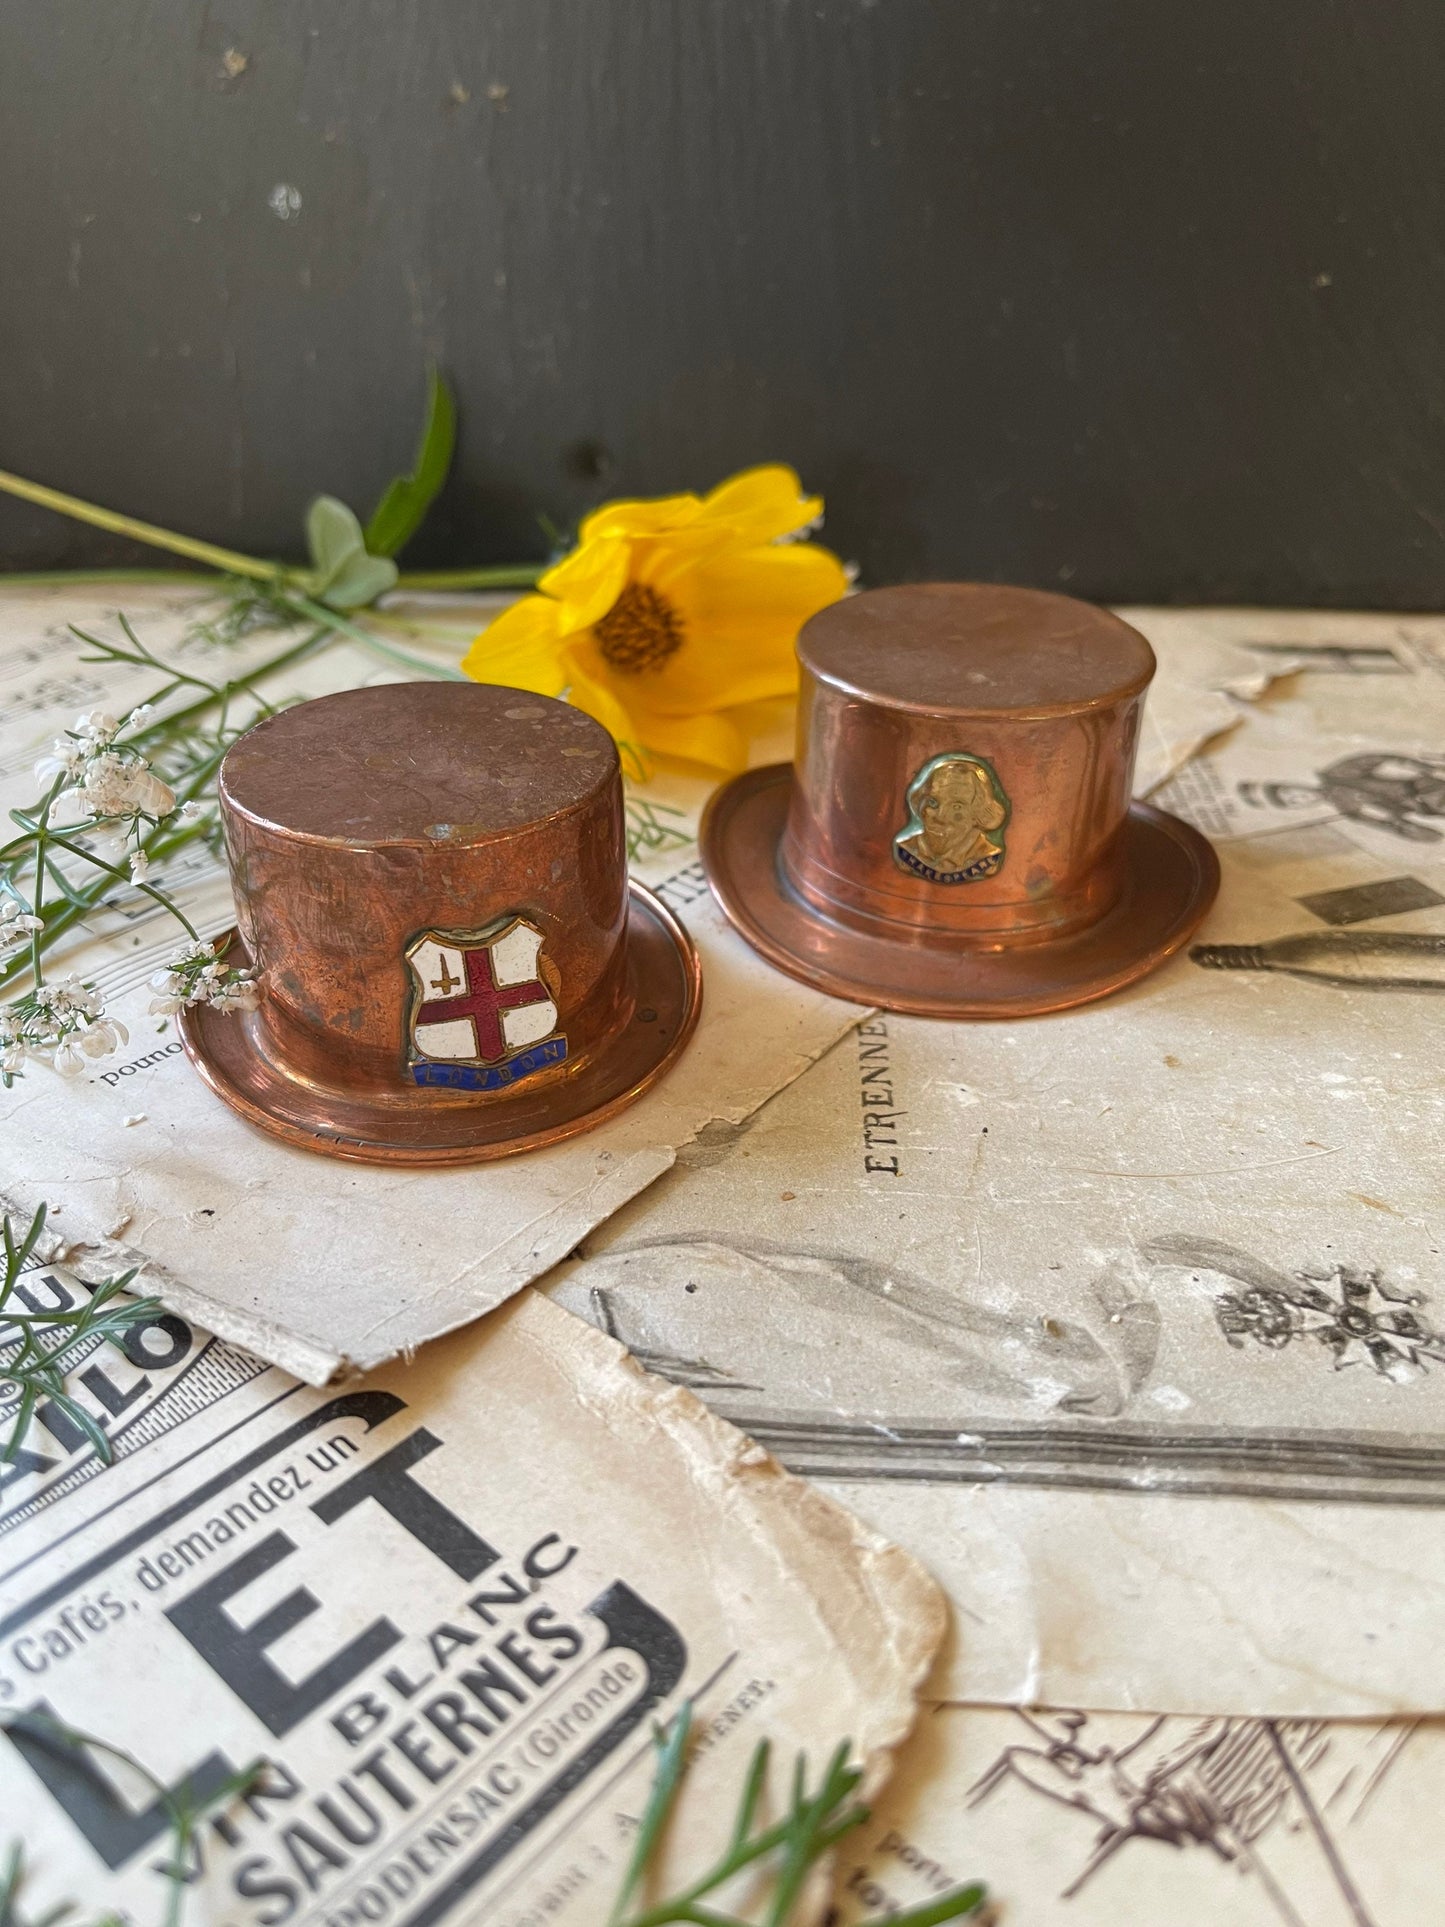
(483,1007)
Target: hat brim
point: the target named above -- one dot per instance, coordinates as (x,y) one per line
(1172,875)
(404,1128)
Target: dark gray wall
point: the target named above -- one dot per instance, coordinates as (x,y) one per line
(1144,298)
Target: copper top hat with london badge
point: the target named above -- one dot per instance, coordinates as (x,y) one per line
(956,836)
(431,881)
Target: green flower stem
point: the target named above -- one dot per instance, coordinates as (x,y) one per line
(223,693)
(162,843)
(88,898)
(951,1906)
(71,505)
(67,578)
(343,626)
(37,901)
(119,876)
(430,625)
(182,1810)
(41,830)
(501,575)
(814,1823)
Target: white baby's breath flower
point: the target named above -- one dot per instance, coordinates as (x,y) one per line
(65,758)
(60,1024)
(196,975)
(241,993)
(170,994)
(153,797)
(140,866)
(114,786)
(16,924)
(140,715)
(113,789)
(105,1035)
(98,725)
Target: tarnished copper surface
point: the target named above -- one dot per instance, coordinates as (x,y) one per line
(396,852)
(956,837)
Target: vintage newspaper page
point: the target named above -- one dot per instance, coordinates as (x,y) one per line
(1091,1819)
(1132,1320)
(292,1255)
(447,1605)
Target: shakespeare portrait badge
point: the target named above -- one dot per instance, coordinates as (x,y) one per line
(957,812)
(483,1007)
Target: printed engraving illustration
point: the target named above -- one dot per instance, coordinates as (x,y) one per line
(1018,1397)
(1363,902)
(1228,1786)
(1403,794)
(483,1010)
(1401,960)
(1351,1313)
(957,813)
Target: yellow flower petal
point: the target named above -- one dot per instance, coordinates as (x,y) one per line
(587,582)
(741,615)
(714,740)
(762,503)
(748,510)
(599,697)
(737,596)
(640,518)
(520,649)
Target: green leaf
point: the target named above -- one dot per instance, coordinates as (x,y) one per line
(359,582)
(402,508)
(90,1426)
(344,575)
(333,536)
(670,1744)
(28,1243)
(930,1913)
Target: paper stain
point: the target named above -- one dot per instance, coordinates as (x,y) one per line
(1376,1204)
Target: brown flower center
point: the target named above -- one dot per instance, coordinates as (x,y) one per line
(640,631)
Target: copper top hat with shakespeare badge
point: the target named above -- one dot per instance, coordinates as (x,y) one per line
(431,882)
(956,836)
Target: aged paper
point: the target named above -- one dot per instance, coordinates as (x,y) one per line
(1132,1320)
(1089,1819)
(447,1605)
(320,1265)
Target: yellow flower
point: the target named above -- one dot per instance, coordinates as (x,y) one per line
(670,614)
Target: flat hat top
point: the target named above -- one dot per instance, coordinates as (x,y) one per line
(975,646)
(418,762)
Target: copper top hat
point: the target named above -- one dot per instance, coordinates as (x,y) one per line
(956,837)
(431,879)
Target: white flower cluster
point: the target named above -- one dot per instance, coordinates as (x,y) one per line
(196,975)
(60,1024)
(16,924)
(112,791)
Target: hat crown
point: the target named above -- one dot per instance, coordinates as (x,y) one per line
(432,881)
(418,763)
(975,647)
(964,762)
